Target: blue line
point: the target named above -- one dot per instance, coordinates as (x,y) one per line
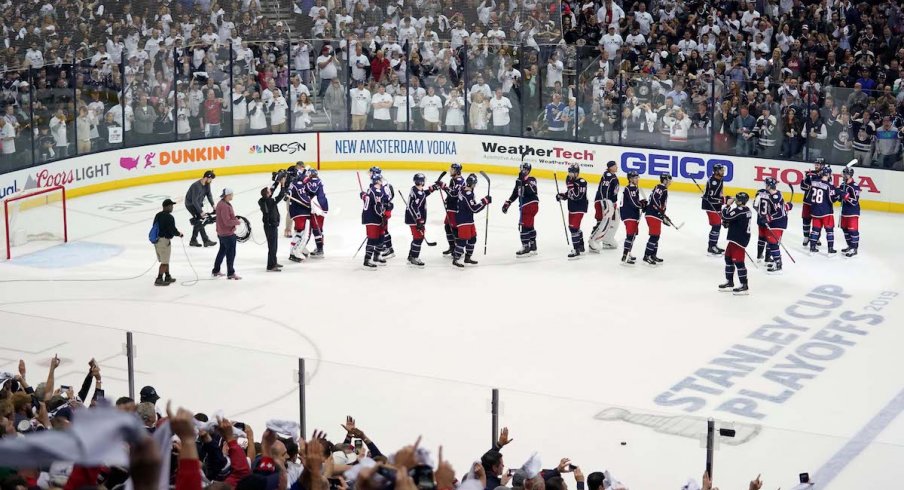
(861,440)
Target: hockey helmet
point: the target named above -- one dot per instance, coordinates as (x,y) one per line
(663,178)
(376,179)
(375,170)
(820,161)
(770,183)
(574,168)
(312,173)
(742,198)
(419,179)
(718,168)
(471,181)
(610,164)
(633,174)
(848,172)
(525,168)
(456,168)
(825,171)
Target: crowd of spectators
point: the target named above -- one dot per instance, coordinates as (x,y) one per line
(768,78)
(54,437)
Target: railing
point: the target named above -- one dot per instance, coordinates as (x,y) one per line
(567,93)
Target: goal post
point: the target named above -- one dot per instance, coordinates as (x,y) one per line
(34,215)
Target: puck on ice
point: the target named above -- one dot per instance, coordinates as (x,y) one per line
(623,443)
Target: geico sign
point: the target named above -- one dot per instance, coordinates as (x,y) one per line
(793,176)
(689,167)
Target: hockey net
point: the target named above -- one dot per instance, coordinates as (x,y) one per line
(33,219)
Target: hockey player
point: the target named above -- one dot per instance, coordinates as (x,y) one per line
(737,219)
(712,204)
(849,195)
(576,195)
(655,210)
(632,206)
(300,212)
(760,207)
(386,250)
(822,194)
(294,173)
(525,192)
(776,216)
(456,182)
(373,217)
(305,210)
(805,185)
(416,216)
(605,205)
(466,232)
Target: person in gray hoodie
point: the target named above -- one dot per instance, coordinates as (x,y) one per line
(194,203)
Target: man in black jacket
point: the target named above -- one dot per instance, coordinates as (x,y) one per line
(270,214)
(166,230)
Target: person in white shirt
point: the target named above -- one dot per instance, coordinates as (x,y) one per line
(301,54)
(60,134)
(34,56)
(643,18)
(382,102)
(455,112)
(480,86)
(326,63)
(609,14)
(750,18)
(500,107)
(496,35)
(359,62)
(258,116)
(612,42)
(554,69)
(430,106)
(687,44)
(278,113)
(478,112)
(302,111)
(8,140)
(635,39)
(678,133)
(239,110)
(84,123)
(360,99)
(402,103)
(459,34)
(509,77)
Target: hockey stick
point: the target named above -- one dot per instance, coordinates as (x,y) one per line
(753,262)
(781,244)
(486,232)
(698,186)
(792,192)
(428,242)
(360,186)
(851,163)
(562,210)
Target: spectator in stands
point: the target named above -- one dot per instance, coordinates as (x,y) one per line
(257,115)
(382,103)
(212,114)
(500,106)
(430,106)
(60,131)
(8,144)
(145,116)
(742,129)
(302,113)
(360,106)
(278,109)
(335,103)
(327,64)
(816,134)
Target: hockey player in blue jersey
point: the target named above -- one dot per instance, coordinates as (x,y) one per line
(631,208)
(453,189)
(466,235)
(416,216)
(386,250)
(776,222)
(373,217)
(576,195)
(525,192)
(712,204)
(805,213)
(760,209)
(736,217)
(822,195)
(849,195)
(309,207)
(655,210)
(605,204)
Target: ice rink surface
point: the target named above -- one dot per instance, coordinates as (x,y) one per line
(587,354)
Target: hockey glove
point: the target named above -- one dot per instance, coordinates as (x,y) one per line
(488,199)
(505,207)
(420,226)
(561,197)
(389,206)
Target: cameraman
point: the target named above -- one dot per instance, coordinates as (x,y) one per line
(194,202)
(270,214)
(293,173)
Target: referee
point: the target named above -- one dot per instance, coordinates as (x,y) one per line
(166,231)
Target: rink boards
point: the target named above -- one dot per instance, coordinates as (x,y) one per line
(882,190)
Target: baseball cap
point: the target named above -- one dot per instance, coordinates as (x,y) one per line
(226,191)
(168,202)
(210,175)
(149,394)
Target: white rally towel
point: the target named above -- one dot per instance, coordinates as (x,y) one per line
(97,437)
(352,474)
(285,428)
(211,425)
(532,466)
